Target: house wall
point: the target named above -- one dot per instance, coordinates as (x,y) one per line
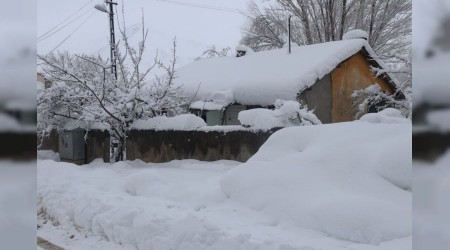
(318,97)
(231,114)
(164,146)
(353,74)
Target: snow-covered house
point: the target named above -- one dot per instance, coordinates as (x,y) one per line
(322,76)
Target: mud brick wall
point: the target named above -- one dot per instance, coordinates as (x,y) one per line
(18,145)
(164,146)
(430,145)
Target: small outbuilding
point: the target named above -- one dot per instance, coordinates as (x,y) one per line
(322,76)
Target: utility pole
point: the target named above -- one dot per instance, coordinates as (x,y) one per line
(112,38)
(289,31)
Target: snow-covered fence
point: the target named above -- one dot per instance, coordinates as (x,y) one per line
(203,144)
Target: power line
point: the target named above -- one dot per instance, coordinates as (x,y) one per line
(204,6)
(67,18)
(56,31)
(67,38)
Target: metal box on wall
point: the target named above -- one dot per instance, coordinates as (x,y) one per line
(72,145)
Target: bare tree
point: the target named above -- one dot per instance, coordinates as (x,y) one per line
(388,22)
(86,92)
(212,52)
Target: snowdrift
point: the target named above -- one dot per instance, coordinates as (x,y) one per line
(351,181)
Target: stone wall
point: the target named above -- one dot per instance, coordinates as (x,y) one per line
(164,146)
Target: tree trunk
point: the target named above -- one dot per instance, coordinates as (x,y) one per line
(343,17)
(120,149)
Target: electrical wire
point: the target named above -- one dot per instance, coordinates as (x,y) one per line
(67,38)
(56,31)
(204,6)
(67,18)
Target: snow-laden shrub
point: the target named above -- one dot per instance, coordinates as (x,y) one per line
(374,97)
(286,114)
(389,115)
(185,122)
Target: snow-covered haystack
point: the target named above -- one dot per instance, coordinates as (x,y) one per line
(389,115)
(286,113)
(351,180)
(355,34)
(184,122)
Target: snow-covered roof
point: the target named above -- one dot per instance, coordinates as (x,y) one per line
(355,34)
(263,77)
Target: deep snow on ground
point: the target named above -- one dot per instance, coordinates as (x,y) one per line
(431,218)
(17,204)
(342,186)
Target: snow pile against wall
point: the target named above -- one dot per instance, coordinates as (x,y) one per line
(439,119)
(184,122)
(9,124)
(287,113)
(263,77)
(389,115)
(218,100)
(351,180)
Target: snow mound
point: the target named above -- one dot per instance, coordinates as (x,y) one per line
(389,115)
(355,34)
(216,101)
(245,48)
(287,113)
(186,122)
(7,123)
(439,119)
(351,180)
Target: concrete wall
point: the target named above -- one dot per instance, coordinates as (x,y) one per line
(318,97)
(164,146)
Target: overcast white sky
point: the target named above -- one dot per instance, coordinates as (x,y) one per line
(426,13)
(195,28)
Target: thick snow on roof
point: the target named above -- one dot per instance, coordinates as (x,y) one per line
(355,34)
(262,78)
